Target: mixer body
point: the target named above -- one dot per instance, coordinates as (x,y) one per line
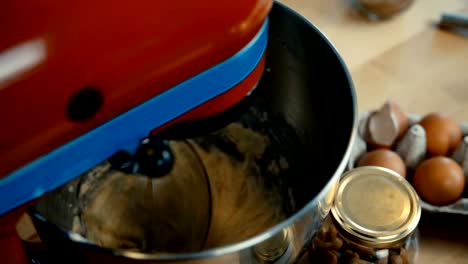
(68,69)
(72,66)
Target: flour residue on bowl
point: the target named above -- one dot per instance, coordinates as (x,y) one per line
(122,212)
(135,212)
(241,206)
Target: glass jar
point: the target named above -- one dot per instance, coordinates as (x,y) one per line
(373,220)
(381,9)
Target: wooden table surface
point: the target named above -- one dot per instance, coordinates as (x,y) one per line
(411,61)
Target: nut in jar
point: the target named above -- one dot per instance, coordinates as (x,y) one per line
(373,220)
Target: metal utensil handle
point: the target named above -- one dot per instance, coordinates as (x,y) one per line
(454,20)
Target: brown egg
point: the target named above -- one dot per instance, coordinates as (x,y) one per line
(442,134)
(383,158)
(439,180)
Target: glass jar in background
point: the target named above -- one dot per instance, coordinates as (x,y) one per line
(373,220)
(381,9)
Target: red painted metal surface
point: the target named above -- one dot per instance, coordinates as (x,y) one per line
(130,51)
(223,101)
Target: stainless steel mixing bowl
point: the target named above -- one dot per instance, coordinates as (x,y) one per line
(305,105)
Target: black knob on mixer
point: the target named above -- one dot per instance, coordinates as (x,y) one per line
(154,157)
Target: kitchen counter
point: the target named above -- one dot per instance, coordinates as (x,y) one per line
(409,60)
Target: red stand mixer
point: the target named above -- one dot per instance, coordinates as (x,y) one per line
(81,81)
(74,73)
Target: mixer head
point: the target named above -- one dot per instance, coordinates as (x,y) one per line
(82,80)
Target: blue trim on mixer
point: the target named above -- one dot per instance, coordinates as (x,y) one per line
(125,131)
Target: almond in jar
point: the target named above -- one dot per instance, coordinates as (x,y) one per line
(373,220)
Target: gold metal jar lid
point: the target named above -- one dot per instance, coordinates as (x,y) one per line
(376,206)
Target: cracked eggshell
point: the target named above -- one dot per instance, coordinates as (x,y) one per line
(386,125)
